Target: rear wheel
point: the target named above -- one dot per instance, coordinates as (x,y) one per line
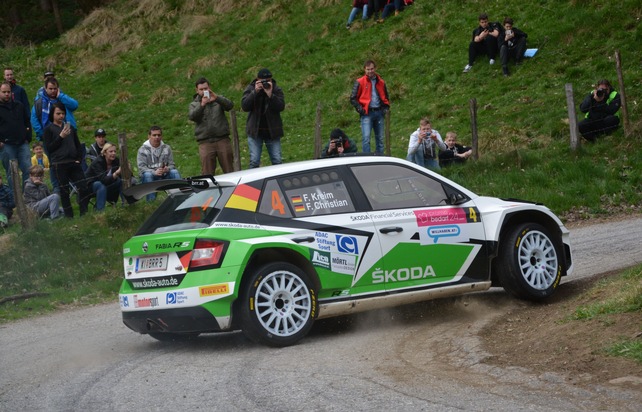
(529,263)
(278,305)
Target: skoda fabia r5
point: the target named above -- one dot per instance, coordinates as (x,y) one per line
(270,250)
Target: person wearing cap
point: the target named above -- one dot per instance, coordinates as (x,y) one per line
(370,99)
(339,144)
(264,101)
(17,92)
(95,149)
(212,130)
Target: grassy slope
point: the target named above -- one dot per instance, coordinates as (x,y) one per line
(133,65)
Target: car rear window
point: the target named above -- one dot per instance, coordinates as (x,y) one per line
(187,210)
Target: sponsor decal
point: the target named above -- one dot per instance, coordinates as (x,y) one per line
(126,250)
(145,247)
(443,231)
(175,298)
(213,290)
(320,259)
(244,198)
(345,264)
(145,302)
(347,244)
(124,301)
(402,274)
(235,225)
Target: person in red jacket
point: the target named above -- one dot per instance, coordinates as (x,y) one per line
(370,99)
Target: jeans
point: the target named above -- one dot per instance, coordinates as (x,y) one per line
(105,193)
(355,11)
(255,145)
(21,153)
(373,120)
(151,177)
(427,162)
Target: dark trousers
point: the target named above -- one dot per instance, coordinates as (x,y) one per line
(516,52)
(487,47)
(71,172)
(590,129)
(375,6)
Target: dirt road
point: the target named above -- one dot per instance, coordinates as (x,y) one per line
(427,356)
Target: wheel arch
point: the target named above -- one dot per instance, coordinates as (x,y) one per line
(263,256)
(531,216)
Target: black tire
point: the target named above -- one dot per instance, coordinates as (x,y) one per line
(278,305)
(529,262)
(173,337)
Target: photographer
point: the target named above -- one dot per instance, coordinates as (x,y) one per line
(484,41)
(422,147)
(339,144)
(264,102)
(602,108)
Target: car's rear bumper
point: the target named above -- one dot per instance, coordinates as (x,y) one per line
(183,320)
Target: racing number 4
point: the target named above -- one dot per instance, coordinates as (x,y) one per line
(276,202)
(472,214)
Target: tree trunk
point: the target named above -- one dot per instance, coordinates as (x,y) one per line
(56,11)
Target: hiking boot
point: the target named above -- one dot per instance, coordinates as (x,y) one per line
(467,68)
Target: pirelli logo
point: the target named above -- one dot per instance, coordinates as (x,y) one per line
(213,290)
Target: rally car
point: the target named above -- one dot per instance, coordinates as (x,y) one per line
(271,250)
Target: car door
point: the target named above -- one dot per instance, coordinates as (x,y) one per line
(424,241)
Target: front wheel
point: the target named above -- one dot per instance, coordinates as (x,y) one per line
(279,305)
(529,264)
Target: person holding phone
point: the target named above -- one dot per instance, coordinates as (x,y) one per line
(512,43)
(212,131)
(484,41)
(65,155)
(155,160)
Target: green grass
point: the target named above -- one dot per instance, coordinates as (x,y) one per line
(134,63)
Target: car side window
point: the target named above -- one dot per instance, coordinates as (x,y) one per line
(396,187)
(314,193)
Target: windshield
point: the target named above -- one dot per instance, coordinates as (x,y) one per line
(183,211)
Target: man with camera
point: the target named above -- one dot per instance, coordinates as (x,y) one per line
(339,144)
(264,101)
(370,99)
(484,41)
(602,111)
(212,130)
(423,143)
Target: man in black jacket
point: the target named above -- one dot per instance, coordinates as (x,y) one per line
(264,102)
(602,111)
(15,132)
(512,43)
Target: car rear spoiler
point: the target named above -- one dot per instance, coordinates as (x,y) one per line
(195,183)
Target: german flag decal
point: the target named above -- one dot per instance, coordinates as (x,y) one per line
(245,198)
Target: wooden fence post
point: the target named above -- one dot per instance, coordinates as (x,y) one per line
(317,133)
(27,220)
(236,149)
(625,110)
(572,116)
(125,168)
(473,125)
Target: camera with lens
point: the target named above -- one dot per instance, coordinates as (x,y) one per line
(600,93)
(266,83)
(338,143)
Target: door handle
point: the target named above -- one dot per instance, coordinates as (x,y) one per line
(387,230)
(306,239)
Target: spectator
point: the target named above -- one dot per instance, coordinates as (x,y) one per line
(512,43)
(264,100)
(454,153)
(15,131)
(357,6)
(95,149)
(46,97)
(374,7)
(39,157)
(421,147)
(104,177)
(65,155)
(339,144)
(44,102)
(17,92)
(484,41)
(396,6)
(155,160)
(37,196)
(602,111)
(212,130)
(370,98)
(6,204)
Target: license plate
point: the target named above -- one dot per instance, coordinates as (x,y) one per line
(149,263)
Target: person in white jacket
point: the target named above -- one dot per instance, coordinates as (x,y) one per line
(422,147)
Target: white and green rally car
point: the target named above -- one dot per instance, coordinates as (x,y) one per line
(270,250)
